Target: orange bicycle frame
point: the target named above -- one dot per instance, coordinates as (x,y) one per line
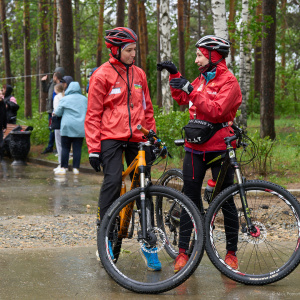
(126,212)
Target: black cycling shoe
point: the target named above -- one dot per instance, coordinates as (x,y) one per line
(47,150)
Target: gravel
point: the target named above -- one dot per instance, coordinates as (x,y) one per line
(48,231)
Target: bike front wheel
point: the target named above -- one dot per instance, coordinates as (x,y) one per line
(273,251)
(130,270)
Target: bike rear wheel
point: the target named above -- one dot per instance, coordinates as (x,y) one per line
(270,254)
(168,212)
(172,178)
(130,270)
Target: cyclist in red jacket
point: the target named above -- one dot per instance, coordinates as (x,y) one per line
(214,96)
(118,100)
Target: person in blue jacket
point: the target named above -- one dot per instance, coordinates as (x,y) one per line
(72,108)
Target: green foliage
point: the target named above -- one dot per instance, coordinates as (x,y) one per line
(40,133)
(264,153)
(169,127)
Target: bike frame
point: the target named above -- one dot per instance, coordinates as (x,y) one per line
(138,165)
(229,159)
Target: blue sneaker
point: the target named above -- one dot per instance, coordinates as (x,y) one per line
(110,250)
(151,259)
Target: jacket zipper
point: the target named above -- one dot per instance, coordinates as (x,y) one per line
(128,104)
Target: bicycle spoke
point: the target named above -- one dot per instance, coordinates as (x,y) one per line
(268,251)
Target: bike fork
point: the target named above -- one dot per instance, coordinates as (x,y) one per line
(143,206)
(246,209)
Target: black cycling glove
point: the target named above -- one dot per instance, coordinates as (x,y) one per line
(168,65)
(95,161)
(181,84)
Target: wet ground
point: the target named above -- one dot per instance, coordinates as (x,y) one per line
(74,273)
(67,272)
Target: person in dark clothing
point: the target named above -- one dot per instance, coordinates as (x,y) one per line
(59,72)
(89,76)
(11,104)
(3,121)
(66,80)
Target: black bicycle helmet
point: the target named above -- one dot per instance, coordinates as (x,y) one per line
(119,36)
(212,42)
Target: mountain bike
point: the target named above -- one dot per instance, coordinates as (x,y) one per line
(268,217)
(133,225)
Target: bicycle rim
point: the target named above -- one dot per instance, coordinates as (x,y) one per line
(130,270)
(172,178)
(270,255)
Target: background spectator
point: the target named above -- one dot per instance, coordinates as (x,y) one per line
(49,88)
(59,90)
(72,108)
(10,103)
(66,80)
(3,122)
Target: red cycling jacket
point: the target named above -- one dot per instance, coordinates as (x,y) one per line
(214,102)
(112,112)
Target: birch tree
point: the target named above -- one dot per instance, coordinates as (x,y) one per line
(245,62)
(165,53)
(220,23)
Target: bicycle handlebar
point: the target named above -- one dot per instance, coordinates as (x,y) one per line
(154,140)
(142,129)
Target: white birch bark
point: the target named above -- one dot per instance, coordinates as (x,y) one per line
(245,63)
(220,24)
(57,59)
(165,53)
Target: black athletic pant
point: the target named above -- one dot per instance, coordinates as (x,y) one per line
(111,151)
(194,169)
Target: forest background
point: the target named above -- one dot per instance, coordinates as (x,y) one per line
(39,35)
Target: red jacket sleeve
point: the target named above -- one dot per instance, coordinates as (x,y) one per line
(97,92)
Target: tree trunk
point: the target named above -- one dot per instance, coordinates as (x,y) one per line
(27,90)
(245,63)
(199,19)
(283,32)
(120,13)
(43,47)
(57,61)
(220,23)
(54,33)
(267,122)
(232,11)
(180,6)
(186,22)
(165,52)
(5,44)
(66,36)
(133,15)
(158,74)
(257,57)
(143,34)
(77,42)
(100,33)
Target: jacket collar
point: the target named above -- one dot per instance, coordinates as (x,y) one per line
(115,61)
